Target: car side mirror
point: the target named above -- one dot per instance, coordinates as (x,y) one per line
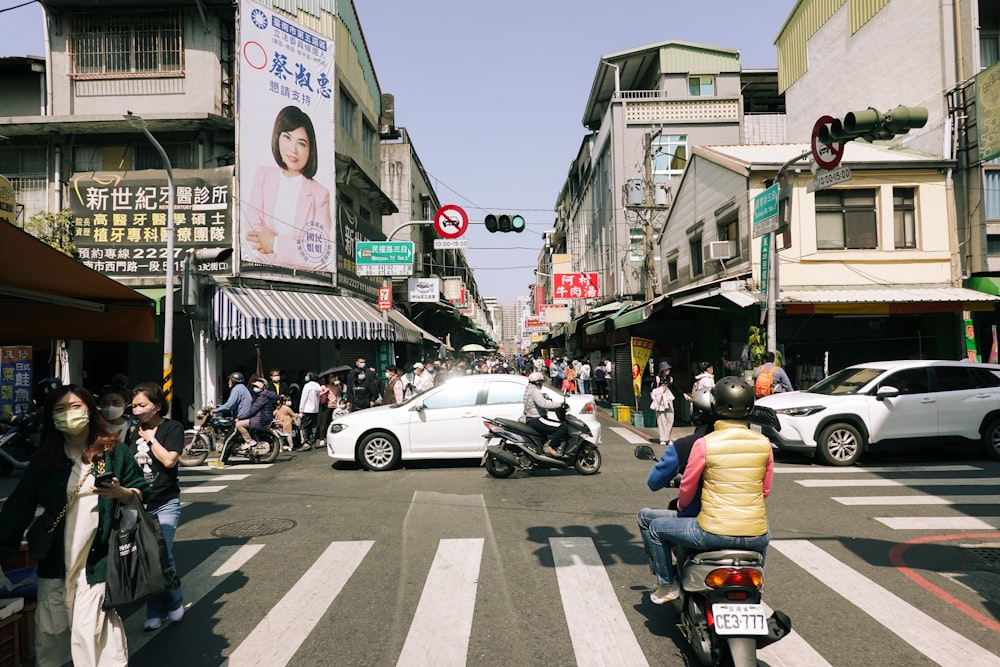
(645,453)
(886,392)
(418,406)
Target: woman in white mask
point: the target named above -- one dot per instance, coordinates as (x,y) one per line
(112,401)
(75,447)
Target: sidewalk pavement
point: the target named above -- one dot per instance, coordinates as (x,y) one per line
(604,410)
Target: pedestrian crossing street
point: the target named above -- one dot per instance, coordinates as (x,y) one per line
(604,628)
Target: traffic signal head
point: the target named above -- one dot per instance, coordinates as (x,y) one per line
(902,119)
(504,223)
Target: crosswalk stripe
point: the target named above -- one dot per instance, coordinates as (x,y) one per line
(598,628)
(278,636)
(196,584)
(231,466)
(940,522)
(931,638)
(629,435)
(442,624)
(205,489)
(184,479)
(915,482)
(791,651)
(917,500)
(846,470)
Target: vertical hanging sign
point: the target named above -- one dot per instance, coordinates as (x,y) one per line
(765,268)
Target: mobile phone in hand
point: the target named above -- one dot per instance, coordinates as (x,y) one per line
(103,480)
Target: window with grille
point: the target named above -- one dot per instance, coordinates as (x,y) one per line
(904,217)
(133,44)
(846,220)
(25,168)
(989,48)
(697,258)
(369,141)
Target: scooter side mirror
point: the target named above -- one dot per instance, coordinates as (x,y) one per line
(645,453)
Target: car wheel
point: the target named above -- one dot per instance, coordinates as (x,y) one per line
(378,452)
(839,445)
(589,463)
(498,468)
(196,449)
(991,440)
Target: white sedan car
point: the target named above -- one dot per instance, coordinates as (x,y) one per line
(444,422)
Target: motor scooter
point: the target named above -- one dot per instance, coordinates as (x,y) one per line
(720,598)
(18,441)
(217,432)
(521,447)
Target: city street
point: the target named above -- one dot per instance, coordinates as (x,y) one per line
(437,563)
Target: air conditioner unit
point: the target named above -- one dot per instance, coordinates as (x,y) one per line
(719,250)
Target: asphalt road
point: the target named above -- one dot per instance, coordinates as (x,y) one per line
(439,564)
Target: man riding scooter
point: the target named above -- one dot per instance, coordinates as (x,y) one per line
(535,399)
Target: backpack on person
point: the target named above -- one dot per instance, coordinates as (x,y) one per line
(763,385)
(599,374)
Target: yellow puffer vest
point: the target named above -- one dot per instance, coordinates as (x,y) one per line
(732,494)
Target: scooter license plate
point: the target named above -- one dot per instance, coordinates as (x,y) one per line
(739,619)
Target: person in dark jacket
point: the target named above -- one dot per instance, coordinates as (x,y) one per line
(75,446)
(362,388)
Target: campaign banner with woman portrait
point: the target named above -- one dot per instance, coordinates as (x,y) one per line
(286,142)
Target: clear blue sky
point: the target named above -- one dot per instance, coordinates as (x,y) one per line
(492,93)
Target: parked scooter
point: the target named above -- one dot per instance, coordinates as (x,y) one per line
(18,441)
(720,601)
(521,447)
(217,432)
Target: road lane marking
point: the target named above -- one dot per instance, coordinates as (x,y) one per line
(231,466)
(441,627)
(813,470)
(954,481)
(791,650)
(196,584)
(940,522)
(278,636)
(205,489)
(183,479)
(600,632)
(918,500)
(629,435)
(931,638)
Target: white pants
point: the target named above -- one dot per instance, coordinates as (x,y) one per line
(664,424)
(81,632)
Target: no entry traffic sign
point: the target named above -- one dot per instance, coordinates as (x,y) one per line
(450,221)
(826,155)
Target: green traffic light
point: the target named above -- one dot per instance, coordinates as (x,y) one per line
(517,223)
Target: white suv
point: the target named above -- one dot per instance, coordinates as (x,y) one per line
(886,404)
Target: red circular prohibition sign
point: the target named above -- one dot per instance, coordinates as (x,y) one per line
(827,156)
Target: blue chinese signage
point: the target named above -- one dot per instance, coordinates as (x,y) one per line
(15,380)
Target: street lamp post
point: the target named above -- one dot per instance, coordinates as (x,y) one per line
(138,123)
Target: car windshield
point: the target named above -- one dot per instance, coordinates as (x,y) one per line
(847,381)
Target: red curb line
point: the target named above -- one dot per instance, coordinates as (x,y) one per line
(896,558)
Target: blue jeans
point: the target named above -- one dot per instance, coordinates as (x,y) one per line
(169,516)
(645,517)
(686,532)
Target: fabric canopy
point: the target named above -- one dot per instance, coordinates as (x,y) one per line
(241,312)
(410,332)
(46,294)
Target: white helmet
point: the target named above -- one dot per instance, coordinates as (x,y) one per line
(536,378)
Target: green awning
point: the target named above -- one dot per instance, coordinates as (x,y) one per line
(987,284)
(154,293)
(597,327)
(637,315)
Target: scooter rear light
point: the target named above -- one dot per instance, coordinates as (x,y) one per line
(489,427)
(588,409)
(744,577)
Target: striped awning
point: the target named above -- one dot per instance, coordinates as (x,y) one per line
(239,313)
(410,332)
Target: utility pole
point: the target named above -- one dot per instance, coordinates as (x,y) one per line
(648,260)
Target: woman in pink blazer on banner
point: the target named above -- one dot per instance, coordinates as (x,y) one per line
(288,220)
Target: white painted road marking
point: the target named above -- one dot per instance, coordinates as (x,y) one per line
(629,435)
(813,470)
(600,632)
(931,638)
(918,500)
(278,636)
(791,650)
(184,479)
(940,522)
(917,482)
(441,627)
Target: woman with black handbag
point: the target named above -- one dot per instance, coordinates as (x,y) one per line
(79,476)
(156,443)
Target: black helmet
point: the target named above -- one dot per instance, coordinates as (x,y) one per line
(236,377)
(732,398)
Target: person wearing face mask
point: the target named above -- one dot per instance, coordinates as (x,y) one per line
(362,388)
(75,446)
(112,401)
(156,443)
(393,394)
(277,383)
(309,408)
(329,402)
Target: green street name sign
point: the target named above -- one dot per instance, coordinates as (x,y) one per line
(384,252)
(765,212)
